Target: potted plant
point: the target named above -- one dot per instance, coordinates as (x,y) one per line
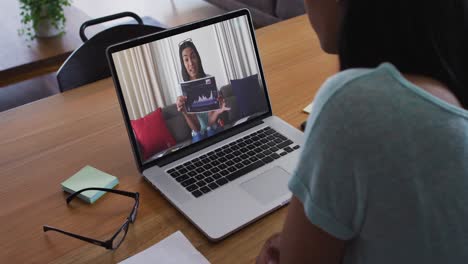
(42,18)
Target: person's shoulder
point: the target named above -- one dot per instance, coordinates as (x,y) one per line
(352,82)
(357,86)
(355,96)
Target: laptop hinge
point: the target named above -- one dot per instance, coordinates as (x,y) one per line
(207,142)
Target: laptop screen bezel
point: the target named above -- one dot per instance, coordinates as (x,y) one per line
(194,147)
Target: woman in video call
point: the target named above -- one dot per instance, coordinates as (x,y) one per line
(201,123)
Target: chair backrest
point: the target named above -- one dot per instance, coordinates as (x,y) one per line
(88,63)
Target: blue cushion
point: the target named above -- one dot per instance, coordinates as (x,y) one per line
(250,97)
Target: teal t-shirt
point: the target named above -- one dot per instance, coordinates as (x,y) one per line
(203,120)
(385,166)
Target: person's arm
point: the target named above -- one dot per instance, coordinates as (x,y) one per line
(301,242)
(214,115)
(191,119)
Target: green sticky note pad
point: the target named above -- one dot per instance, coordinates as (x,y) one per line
(89,177)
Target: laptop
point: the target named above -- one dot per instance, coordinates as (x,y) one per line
(222,167)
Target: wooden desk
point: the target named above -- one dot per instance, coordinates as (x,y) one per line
(21,59)
(43,143)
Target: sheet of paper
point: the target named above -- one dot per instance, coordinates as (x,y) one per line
(174,249)
(308,108)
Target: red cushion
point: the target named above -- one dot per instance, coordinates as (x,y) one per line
(152,134)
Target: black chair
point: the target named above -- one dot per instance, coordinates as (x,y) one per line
(88,63)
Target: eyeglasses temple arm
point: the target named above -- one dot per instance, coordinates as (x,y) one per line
(129,194)
(87,239)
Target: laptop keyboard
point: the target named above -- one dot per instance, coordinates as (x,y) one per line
(231,161)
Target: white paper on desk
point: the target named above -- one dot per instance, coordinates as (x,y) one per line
(174,249)
(308,108)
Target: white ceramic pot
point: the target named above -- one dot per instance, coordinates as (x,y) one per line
(45,29)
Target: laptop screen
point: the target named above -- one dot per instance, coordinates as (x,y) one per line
(188,87)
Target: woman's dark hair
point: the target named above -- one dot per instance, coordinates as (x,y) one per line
(189,44)
(427,37)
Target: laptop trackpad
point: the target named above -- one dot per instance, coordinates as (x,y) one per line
(268,186)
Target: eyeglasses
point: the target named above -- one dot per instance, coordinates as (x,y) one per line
(115,241)
(183,41)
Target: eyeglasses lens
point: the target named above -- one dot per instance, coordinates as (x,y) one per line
(120,237)
(135,212)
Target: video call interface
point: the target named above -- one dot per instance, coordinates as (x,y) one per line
(189,87)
